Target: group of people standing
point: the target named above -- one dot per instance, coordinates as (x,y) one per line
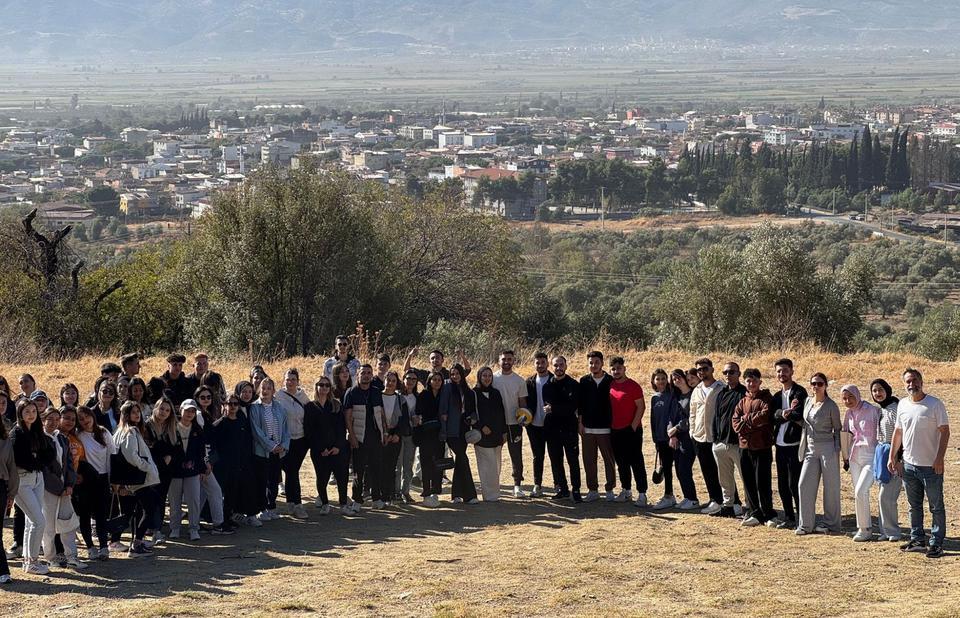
(114,463)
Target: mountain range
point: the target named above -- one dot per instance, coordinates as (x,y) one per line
(101,29)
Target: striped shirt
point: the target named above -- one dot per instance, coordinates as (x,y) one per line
(888,422)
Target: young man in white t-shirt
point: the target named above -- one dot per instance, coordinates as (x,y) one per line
(513,390)
(923,430)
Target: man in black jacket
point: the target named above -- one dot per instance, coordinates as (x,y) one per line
(596,417)
(561,400)
(535,430)
(173,383)
(726,443)
(787,409)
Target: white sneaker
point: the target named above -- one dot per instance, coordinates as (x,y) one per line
(118,547)
(609,496)
(518,492)
(863,535)
(750,522)
(5,579)
(281,491)
(356,507)
(665,502)
(711,508)
(325,509)
(158,538)
(821,529)
(592,496)
(688,505)
(265,516)
(624,496)
(377,504)
(458,500)
(432,501)
(14,552)
(641,501)
(474,501)
(75,563)
(537,492)
(93,553)
(36,568)
(194,535)
(299,511)
(254,521)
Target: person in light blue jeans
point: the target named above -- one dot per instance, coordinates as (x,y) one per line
(923,430)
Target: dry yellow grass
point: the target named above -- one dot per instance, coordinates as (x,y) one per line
(519,557)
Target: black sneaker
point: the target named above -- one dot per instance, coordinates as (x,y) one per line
(577,497)
(138,551)
(914,546)
(561,495)
(934,551)
(726,511)
(222,530)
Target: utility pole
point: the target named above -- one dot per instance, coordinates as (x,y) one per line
(944,228)
(866,205)
(603,208)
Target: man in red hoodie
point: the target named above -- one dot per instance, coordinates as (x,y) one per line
(752,420)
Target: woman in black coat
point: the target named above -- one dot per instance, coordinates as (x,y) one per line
(492,423)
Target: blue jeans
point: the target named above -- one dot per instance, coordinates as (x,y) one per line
(919,480)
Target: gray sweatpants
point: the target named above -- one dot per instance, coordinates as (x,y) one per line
(728,469)
(889,494)
(822,461)
(408,451)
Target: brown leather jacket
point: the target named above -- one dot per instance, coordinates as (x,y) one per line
(753,421)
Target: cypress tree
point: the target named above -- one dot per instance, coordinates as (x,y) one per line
(853,169)
(877,161)
(866,160)
(891,170)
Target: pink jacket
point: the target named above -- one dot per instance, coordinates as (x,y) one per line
(861,421)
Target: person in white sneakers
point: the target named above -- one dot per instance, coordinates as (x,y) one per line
(626,432)
(703,407)
(536,432)
(595,417)
(32,451)
(59,478)
(513,390)
(664,414)
(683,449)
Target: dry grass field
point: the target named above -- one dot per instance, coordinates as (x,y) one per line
(519,557)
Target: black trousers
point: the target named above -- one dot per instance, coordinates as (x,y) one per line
(788,480)
(367,465)
(538,444)
(666,465)
(338,465)
(266,481)
(628,453)
(708,469)
(93,502)
(388,471)
(559,444)
(462,486)
(756,466)
(515,448)
(292,462)
(431,449)
(144,513)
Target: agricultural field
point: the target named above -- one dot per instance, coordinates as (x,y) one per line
(520,557)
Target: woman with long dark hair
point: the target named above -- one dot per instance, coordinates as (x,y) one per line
(69,395)
(9,483)
(9,410)
(458,407)
(137,391)
(427,434)
(33,452)
(664,415)
(59,479)
(342,380)
(134,450)
(233,443)
(396,425)
(185,483)
(408,450)
(683,449)
(107,408)
(889,489)
(98,446)
(211,499)
(325,428)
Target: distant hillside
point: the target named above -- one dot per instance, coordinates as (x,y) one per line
(95,29)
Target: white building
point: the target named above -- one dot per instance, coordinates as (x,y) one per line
(779,136)
(666,125)
(835,131)
(449,139)
(278,151)
(760,119)
(166,149)
(195,151)
(946,129)
(479,140)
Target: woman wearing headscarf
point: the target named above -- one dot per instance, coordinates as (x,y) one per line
(492,424)
(860,421)
(890,485)
(819,447)
(457,406)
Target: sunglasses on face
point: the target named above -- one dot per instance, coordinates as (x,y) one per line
(702,369)
(324,386)
(817,384)
(730,372)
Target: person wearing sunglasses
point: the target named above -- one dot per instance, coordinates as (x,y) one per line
(726,443)
(787,409)
(325,429)
(820,452)
(703,407)
(233,443)
(341,354)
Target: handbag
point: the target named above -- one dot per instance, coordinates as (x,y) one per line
(657,476)
(67,519)
(117,521)
(122,472)
(880,457)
